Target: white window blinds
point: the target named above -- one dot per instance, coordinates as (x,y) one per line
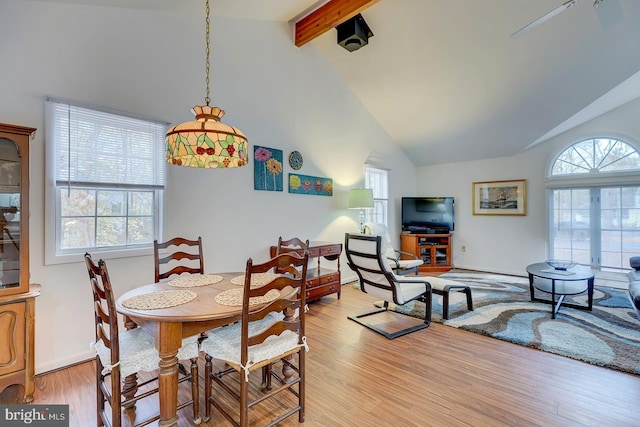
(97,147)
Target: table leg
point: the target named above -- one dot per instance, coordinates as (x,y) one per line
(130,387)
(553,299)
(531,290)
(556,307)
(168,341)
(287,371)
(590,284)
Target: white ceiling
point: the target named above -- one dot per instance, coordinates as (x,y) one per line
(448,84)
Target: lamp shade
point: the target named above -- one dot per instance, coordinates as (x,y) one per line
(360,198)
(206,142)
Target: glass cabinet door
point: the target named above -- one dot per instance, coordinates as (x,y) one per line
(14,208)
(10,170)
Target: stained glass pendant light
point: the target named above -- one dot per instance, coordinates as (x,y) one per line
(206,142)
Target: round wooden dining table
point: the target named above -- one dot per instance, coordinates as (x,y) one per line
(171,324)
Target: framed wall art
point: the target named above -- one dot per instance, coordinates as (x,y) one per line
(500,197)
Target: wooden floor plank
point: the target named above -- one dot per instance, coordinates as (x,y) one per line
(434,377)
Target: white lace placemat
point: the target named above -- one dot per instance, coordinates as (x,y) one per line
(257,279)
(234,297)
(195,280)
(160,299)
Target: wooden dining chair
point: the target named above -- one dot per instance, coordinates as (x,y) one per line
(265,337)
(294,244)
(181,256)
(120,355)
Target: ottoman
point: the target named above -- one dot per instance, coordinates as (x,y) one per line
(634,282)
(444,287)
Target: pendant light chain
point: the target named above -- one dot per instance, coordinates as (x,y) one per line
(207,99)
(206,142)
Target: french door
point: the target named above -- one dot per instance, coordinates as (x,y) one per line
(597,226)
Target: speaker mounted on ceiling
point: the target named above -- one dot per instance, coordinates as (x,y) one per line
(354,33)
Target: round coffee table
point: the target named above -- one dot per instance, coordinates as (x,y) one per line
(560,283)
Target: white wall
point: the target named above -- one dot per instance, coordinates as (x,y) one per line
(507,244)
(152,64)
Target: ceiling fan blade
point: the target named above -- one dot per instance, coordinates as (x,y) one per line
(544,18)
(609,12)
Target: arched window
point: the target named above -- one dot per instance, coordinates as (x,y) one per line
(596,155)
(594,204)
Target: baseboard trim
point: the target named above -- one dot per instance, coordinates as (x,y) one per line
(65,363)
(488,270)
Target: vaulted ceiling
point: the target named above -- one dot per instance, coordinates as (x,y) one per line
(448,83)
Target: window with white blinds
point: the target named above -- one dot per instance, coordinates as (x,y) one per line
(378,180)
(108,173)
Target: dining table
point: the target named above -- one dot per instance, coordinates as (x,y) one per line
(191,315)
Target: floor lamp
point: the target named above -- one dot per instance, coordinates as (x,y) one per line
(361,198)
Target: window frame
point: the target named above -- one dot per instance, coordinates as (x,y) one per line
(380,211)
(53,190)
(594,181)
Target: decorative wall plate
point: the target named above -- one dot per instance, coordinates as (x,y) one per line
(295,160)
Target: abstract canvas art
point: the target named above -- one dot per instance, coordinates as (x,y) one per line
(267,169)
(313,185)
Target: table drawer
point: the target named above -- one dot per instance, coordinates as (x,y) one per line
(313,282)
(331,278)
(313,253)
(320,291)
(330,250)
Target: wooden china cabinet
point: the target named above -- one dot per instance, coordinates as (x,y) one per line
(17,296)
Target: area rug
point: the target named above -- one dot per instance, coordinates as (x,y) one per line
(608,336)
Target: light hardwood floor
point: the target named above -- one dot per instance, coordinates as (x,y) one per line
(439,376)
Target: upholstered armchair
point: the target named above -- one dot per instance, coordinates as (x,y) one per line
(409,264)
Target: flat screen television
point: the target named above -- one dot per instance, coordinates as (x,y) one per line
(428,214)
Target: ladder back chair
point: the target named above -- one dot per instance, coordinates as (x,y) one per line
(120,355)
(293,244)
(183,256)
(271,333)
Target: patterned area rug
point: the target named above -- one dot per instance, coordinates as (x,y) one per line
(608,336)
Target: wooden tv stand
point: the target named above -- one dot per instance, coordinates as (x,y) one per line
(321,280)
(433,249)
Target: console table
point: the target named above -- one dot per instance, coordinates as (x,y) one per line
(561,283)
(321,280)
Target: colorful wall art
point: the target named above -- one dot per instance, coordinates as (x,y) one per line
(305,184)
(267,169)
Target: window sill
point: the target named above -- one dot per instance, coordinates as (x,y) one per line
(103,254)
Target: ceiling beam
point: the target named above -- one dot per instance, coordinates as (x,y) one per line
(332,13)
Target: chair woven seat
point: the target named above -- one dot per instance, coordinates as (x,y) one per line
(138,352)
(224,343)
